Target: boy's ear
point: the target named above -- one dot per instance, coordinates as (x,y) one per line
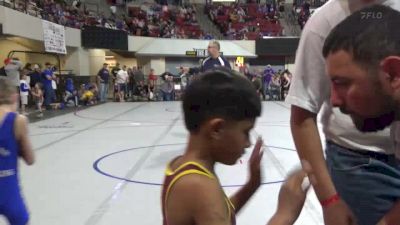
(216,127)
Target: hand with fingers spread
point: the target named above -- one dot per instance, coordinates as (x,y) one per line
(255,163)
(254,182)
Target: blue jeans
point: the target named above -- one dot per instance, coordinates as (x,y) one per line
(166,96)
(369,184)
(103,92)
(49,95)
(266,90)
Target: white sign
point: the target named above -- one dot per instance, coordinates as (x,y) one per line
(54,37)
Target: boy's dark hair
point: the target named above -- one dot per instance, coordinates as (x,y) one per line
(220,93)
(370,35)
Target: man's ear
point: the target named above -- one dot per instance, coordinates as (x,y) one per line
(391,66)
(216,128)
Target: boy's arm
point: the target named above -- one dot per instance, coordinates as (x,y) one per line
(21,133)
(292,196)
(245,193)
(198,199)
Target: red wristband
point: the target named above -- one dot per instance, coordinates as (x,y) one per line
(330,200)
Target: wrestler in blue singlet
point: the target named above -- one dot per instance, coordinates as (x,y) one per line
(11,203)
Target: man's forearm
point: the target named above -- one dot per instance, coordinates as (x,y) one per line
(308,144)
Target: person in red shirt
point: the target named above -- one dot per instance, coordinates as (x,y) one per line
(152,82)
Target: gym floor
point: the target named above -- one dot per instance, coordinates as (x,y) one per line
(104,165)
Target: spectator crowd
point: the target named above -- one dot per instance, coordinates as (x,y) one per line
(40,88)
(246,21)
(145,20)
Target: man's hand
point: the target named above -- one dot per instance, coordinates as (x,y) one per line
(338,213)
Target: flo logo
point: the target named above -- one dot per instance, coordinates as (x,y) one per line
(4,152)
(371,15)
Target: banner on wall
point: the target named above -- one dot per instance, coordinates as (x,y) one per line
(54,37)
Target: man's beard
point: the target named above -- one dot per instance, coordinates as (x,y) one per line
(373,124)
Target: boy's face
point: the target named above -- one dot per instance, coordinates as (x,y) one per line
(231,141)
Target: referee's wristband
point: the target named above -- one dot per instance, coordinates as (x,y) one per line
(331,200)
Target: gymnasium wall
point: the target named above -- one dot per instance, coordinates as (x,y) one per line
(23,25)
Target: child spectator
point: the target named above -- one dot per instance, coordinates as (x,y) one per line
(24,92)
(38,98)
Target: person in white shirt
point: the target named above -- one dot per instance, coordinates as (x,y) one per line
(24,92)
(343,187)
(363,63)
(122,80)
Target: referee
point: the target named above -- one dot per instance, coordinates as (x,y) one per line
(215,59)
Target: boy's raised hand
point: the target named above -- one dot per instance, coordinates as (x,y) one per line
(255,162)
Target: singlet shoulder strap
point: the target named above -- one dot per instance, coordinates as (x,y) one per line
(193,168)
(183,170)
(7,124)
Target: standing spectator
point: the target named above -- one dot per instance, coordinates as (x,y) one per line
(130,83)
(2,69)
(286,79)
(257,83)
(246,72)
(122,79)
(267,78)
(26,71)
(37,95)
(167,88)
(152,79)
(114,72)
(54,82)
(24,92)
(184,75)
(139,76)
(35,76)
(103,76)
(215,59)
(48,77)
(13,69)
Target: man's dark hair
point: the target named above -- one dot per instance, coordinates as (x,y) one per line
(219,93)
(370,35)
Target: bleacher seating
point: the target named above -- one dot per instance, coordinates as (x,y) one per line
(245,21)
